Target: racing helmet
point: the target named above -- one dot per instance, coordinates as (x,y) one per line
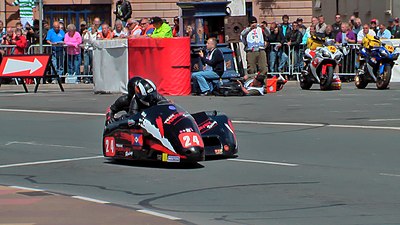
(131,85)
(146,91)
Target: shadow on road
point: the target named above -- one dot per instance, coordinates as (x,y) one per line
(154,164)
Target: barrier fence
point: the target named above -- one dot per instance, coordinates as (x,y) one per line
(288,61)
(73,68)
(282,59)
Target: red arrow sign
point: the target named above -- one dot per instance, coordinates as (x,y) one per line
(24,65)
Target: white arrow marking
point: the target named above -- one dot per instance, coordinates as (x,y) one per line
(14,66)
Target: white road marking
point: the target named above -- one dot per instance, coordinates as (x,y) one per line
(26,188)
(382,104)
(318,125)
(158,214)
(389,174)
(38,144)
(383,120)
(264,162)
(49,161)
(234,121)
(279,123)
(52,112)
(89,199)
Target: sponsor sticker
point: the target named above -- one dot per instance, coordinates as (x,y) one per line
(137,139)
(173,158)
(218,151)
(128,153)
(171,107)
(170,158)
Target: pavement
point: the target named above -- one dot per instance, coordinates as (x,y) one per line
(21,206)
(305,157)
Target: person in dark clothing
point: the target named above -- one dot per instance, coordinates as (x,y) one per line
(214,66)
(123,102)
(276,41)
(144,96)
(336,27)
(294,39)
(123,11)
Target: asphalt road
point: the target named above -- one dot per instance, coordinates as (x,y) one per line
(305,157)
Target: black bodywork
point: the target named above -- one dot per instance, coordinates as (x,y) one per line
(168,133)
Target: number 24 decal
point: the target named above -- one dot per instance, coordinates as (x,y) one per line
(109,145)
(191,139)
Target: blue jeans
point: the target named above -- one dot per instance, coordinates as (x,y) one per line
(57,59)
(74,64)
(88,58)
(201,78)
(282,59)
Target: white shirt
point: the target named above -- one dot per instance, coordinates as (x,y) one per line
(361,35)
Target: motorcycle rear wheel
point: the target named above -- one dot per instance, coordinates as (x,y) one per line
(384,81)
(326,85)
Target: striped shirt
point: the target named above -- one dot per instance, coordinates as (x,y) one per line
(25,7)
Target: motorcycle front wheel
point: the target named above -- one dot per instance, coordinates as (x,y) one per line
(305,82)
(384,80)
(325,83)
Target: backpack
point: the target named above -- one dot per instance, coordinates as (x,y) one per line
(230,88)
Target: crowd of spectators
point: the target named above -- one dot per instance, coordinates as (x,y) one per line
(71,44)
(275,39)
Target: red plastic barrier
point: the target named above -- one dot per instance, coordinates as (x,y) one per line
(166,61)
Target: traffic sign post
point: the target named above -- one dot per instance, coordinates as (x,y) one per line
(28,66)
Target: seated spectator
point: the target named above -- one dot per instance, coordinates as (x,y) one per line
(162,29)
(383,33)
(119,32)
(364,32)
(214,66)
(346,36)
(105,33)
(73,40)
(254,87)
(147,28)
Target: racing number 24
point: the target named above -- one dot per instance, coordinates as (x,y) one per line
(109,145)
(190,139)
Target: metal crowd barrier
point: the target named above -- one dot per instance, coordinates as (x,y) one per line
(293,61)
(61,61)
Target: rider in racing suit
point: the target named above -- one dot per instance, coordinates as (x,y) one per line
(146,96)
(122,103)
(141,95)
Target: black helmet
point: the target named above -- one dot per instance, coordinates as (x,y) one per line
(131,85)
(146,91)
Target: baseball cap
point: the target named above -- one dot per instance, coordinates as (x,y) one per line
(83,23)
(396,19)
(373,21)
(391,20)
(252,19)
